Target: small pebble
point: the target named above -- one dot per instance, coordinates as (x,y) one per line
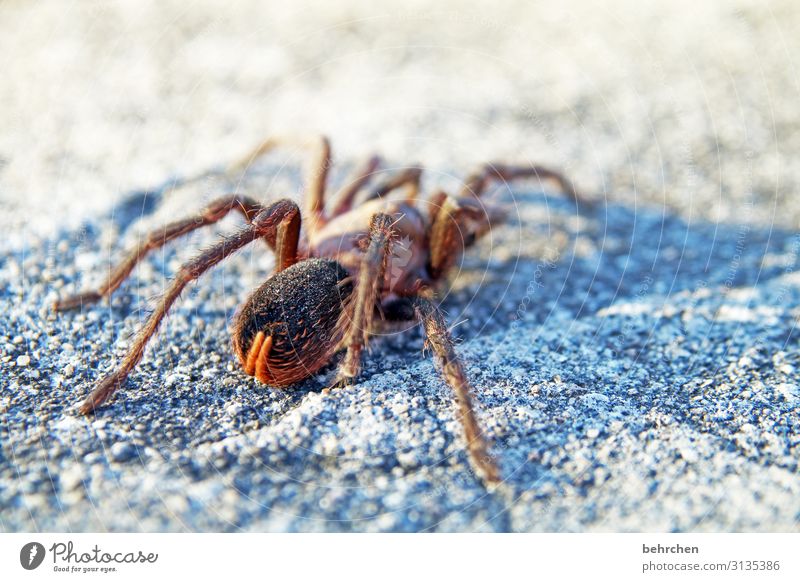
(72,477)
(121,452)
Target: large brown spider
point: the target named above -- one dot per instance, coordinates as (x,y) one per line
(331,279)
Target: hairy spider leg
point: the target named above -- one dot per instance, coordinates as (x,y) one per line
(156,239)
(279,224)
(476,183)
(359,316)
(316,178)
(452,370)
(361,177)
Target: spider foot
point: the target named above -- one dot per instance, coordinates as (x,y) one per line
(102,392)
(75,301)
(341,382)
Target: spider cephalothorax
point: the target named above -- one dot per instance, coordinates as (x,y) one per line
(372,256)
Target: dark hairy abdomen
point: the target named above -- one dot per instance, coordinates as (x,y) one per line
(299,308)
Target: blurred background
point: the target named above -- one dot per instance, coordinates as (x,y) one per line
(689,104)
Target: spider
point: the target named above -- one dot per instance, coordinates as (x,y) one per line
(331,288)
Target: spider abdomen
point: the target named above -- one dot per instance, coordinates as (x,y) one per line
(288,328)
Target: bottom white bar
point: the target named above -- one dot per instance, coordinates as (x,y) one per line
(495,557)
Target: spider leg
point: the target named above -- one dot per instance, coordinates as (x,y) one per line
(409,177)
(316,179)
(438,337)
(343,200)
(476,183)
(281,219)
(156,239)
(358,318)
(455,224)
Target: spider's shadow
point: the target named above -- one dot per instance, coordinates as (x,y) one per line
(625,257)
(600,263)
(580,263)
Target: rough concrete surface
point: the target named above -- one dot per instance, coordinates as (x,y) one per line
(635,362)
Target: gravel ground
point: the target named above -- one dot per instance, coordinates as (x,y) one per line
(635,362)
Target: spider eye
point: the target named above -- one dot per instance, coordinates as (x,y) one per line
(299,310)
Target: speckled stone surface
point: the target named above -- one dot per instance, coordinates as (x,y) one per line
(635,362)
